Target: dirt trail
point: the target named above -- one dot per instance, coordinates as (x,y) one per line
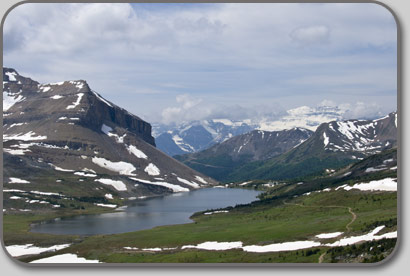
(321,258)
(354,217)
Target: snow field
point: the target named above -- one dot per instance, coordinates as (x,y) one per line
(63,259)
(293,245)
(29,249)
(386,184)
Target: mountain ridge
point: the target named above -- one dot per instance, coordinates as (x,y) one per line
(221,159)
(68,131)
(333,145)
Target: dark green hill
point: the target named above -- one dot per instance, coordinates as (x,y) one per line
(222,159)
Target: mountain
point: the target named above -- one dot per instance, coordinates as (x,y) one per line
(197,135)
(64,137)
(222,159)
(332,146)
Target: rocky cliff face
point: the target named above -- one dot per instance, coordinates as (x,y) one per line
(70,100)
(65,136)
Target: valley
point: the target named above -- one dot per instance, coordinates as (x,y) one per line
(327,192)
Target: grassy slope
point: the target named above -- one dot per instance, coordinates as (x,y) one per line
(262,223)
(279,217)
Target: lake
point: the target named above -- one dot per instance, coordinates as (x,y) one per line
(148,213)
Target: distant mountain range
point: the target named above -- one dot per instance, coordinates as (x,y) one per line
(200,135)
(65,137)
(222,159)
(332,145)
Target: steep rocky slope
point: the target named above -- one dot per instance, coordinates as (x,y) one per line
(64,137)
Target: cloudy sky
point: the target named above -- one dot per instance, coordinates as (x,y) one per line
(175,62)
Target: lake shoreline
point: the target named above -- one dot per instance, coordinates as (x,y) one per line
(146,213)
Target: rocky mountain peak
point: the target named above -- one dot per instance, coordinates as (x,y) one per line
(66,101)
(69,132)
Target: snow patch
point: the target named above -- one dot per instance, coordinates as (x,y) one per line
(173,187)
(328,235)
(106,129)
(192,184)
(138,153)
(85,174)
(60,169)
(9,100)
(325,139)
(18,180)
(117,184)
(101,98)
(366,237)
(151,169)
(45,88)
(29,136)
(121,167)
(45,193)
(214,245)
(106,205)
(29,249)
(64,258)
(11,75)
(277,247)
(155,249)
(386,184)
(77,102)
(16,151)
(371,169)
(200,179)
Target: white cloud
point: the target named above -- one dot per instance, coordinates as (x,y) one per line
(190,108)
(361,110)
(243,54)
(187,101)
(310,35)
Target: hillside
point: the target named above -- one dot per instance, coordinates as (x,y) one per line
(65,138)
(222,159)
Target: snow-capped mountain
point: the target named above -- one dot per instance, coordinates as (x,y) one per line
(222,159)
(332,146)
(199,135)
(66,137)
(360,137)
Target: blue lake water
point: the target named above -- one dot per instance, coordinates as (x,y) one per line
(148,213)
